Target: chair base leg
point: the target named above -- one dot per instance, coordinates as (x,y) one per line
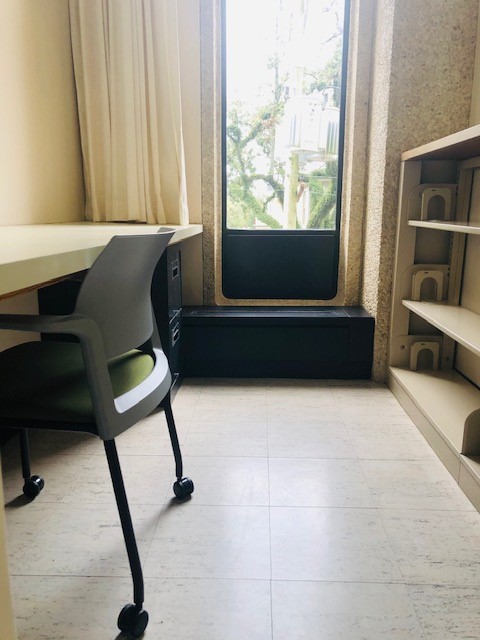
(32,485)
(183,487)
(166,404)
(133,619)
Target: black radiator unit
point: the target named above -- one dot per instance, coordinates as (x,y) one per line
(277,342)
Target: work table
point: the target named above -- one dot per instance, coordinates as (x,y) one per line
(32,255)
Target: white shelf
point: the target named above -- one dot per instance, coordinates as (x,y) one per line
(459,146)
(469,478)
(473,466)
(458,323)
(444,397)
(458,226)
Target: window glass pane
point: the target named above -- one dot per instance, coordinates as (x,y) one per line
(283,81)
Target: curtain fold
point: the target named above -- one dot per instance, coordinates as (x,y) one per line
(127,73)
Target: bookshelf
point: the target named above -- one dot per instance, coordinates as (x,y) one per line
(434,355)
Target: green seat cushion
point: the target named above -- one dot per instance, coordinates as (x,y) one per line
(47,381)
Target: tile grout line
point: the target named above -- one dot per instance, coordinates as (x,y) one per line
(269,520)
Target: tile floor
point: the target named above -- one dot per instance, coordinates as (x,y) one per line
(319,513)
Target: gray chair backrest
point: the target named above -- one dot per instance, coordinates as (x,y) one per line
(116,290)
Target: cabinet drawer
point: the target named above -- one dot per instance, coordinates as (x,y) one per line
(173,348)
(174,281)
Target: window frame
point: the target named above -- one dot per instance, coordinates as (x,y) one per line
(295,291)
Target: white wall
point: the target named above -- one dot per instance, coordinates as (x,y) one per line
(41,177)
(421,88)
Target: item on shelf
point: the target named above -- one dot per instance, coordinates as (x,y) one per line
(436,204)
(400,347)
(424,275)
(419,347)
(432,201)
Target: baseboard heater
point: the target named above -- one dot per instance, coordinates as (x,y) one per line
(277,342)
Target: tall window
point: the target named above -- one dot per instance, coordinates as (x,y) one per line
(284,87)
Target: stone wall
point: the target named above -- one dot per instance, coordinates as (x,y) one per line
(421,87)
(409,82)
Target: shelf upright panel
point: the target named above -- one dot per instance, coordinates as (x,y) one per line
(410,177)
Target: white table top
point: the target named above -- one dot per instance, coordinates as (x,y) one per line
(31,255)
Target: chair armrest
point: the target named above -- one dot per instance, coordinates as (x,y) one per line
(93,353)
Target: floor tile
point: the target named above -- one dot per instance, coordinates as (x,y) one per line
(330,544)
(435,547)
(149,437)
(364,394)
(308,441)
(189,384)
(210,542)
(212,400)
(245,438)
(425,485)
(389,443)
(360,506)
(232,411)
(81,540)
(85,479)
(60,475)
(306,384)
(210,609)
(60,443)
(293,390)
(228,481)
(313,415)
(343,611)
(187,392)
(24,523)
(69,608)
(317,483)
(449,613)
(357,385)
(299,397)
(234,385)
(372,413)
(52,608)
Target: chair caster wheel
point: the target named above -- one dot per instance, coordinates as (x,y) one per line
(133,620)
(33,486)
(183,488)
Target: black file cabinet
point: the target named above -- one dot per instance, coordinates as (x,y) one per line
(167,304)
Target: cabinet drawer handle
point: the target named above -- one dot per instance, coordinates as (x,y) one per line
(175,334)
(175,269)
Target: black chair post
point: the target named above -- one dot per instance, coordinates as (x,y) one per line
(183,487)
(32,485)
(25,453)
(126,522)
(172,430)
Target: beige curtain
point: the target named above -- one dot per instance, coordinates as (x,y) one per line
(127,72)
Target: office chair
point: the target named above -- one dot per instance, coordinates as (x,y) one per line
(114,374)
